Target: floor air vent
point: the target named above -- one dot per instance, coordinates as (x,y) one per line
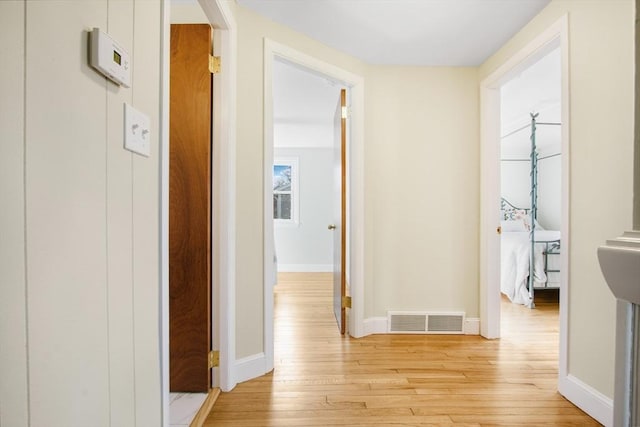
(425,323)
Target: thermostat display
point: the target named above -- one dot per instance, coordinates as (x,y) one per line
(109,58)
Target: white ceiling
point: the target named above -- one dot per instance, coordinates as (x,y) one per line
(414,32)
(406,32)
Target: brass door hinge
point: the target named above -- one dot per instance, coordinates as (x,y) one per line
(346,302)
(214,359)
(214,64)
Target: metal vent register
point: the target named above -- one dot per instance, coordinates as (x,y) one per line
(425,323)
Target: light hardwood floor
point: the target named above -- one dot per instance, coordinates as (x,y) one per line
(324,379)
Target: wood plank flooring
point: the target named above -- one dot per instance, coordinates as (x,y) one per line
(324,379)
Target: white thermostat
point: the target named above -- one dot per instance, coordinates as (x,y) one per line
(108,57)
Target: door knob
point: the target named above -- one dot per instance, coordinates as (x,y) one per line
(331,227)
(499,230)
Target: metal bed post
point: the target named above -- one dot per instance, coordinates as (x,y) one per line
(533,214)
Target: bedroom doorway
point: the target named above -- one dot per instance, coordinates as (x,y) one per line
(554,39)
(303,144)
(307,160)
(354,168)
(530,182)
(530,204)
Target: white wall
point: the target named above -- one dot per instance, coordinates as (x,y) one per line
(601,48)
(515,182)
(308,246)
(13,326)
(549,192)
(422,193)
(515,186)
(304,105)
(187,12)
(80,266)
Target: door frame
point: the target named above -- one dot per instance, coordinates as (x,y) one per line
(355,185)
(223,176)
(554,36)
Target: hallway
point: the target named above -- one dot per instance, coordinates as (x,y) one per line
(323,379)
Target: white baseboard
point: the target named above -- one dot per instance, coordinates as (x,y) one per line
(585,397)
(471,326)
(374,325)
(250,367)
(305,268)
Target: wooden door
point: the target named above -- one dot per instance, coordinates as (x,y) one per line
(190,209)
(339,216)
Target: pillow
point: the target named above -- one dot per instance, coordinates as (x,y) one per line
(511,214)
(515,225)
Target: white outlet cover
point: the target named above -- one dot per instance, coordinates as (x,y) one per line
(137,131)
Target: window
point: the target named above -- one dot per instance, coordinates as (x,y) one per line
(285,191)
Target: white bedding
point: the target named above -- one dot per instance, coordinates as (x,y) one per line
(515,248)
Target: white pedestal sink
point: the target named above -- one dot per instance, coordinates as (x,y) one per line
(620,264)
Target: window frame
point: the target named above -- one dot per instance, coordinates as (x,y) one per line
(293,163)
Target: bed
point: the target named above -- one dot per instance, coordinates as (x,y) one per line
(518,279)
(529,254)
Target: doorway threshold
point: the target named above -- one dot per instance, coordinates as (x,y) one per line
(191,409)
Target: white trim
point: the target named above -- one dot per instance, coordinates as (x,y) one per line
(356,177)
(355,205)
(489,205)
(305,268)
(163,150)
(471,326)
(565,115)
(269,248)
(250,367)
(585,397)
(221,17)
(375,325)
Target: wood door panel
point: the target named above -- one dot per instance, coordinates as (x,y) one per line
(340,191)
(190,208)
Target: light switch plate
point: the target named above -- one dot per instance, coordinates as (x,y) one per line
(137,132)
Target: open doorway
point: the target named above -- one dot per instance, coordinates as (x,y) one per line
(309,175)
(530,181)
(552,39)
(530,194)
(354,204)
(303,107)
